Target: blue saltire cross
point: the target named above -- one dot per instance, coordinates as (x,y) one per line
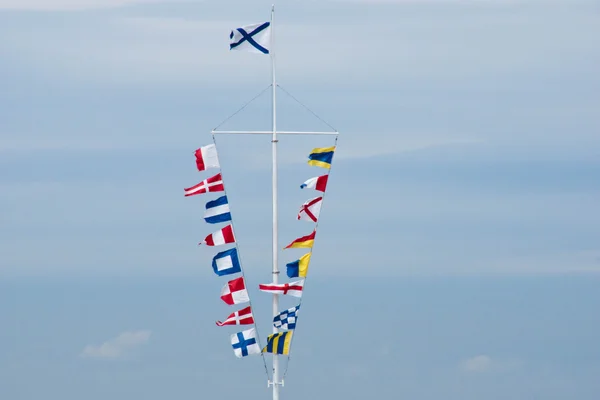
(248,37)
(243,343)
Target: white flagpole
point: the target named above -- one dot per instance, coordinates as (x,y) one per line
(275,242)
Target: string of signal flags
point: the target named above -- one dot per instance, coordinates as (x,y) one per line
(227,263)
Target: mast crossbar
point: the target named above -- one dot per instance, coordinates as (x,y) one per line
(271,132)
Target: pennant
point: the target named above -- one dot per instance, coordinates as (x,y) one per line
(287,319)
(226,262)
(222,236)
(279,343)
(255,38)
(299,268)
(241,317)
(212,184)
(310,210)
(234,292)
(321,157)
(206,157)
(293,288)
(318,183)
(302,242)
(245,343)
(217,211)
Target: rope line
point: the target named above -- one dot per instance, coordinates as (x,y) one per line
(311,250)
(241,108)
(307,108)
(237,246)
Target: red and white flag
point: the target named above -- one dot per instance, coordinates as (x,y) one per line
(212,184)
(222,236)
(241,317)
(206,157)
(310,210)
(293,288)
(235,292)
(318,183)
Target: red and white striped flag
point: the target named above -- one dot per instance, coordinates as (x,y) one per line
(222,236)
(235,292)
(206,157)
(212,184)
(241,317)
(293,288)
(311,209)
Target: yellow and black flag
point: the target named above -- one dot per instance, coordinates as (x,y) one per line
(278,343)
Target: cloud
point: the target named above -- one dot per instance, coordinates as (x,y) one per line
(479,363)
(51,5)
(116,347)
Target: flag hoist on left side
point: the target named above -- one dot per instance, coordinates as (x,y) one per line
(226,262)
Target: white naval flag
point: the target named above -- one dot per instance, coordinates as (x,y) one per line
(255,38)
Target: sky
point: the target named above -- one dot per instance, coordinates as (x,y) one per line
(456,255)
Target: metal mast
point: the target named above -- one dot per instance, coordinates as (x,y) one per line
(275,233)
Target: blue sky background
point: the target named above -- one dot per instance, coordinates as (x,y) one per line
(457,254)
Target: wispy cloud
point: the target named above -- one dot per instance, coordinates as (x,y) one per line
(483,363)
(50,5)
(117,347)
(479,363)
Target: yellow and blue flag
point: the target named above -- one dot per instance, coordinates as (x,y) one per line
(321,157)
(298,268)
(278,343)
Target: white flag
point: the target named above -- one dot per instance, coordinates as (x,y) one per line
(310,210)
(255,38)
(206,157)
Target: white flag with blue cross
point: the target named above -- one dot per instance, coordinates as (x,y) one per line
(255,38)
(245,343)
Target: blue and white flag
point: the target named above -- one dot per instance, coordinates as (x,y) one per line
(226,262)
(287,319)
(245,343)
(217,211)
(255,38)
